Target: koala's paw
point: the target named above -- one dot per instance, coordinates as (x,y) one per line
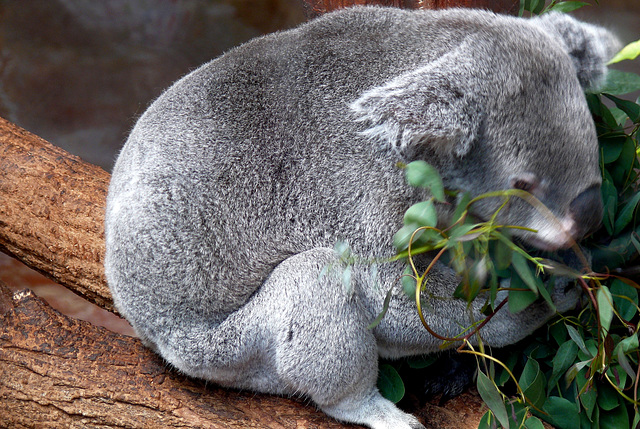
(373,411)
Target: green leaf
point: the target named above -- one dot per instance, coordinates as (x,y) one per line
(385,308)
(627,345)
(567,6)
(457,232)
(463,201)
(562,361)
(389,383)
(618,418)
(619,82)
(533,383)
(524,271)
(620,290)
(533,423)
(610,198)
(608,397)
(629,52)
(408,283)
(588,396)
(636,419)
(423,214)
(619,115)
(626,214)
(561,413)
(577,338)
(605,308)
(491,396)
(488,421)
(501,255)
(403,236)
(422,175)
(519,299)
(629,107)
(611,148)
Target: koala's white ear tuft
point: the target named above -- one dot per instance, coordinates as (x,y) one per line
(433,104)
(589,46)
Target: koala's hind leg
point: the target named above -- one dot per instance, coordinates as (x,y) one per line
(323,349)
(302,334)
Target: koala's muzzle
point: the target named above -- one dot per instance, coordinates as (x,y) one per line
(586,211)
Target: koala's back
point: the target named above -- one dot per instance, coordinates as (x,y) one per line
(255,157)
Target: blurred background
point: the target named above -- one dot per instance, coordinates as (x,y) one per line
(79,72)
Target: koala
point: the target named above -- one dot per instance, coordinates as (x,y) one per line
(233,188)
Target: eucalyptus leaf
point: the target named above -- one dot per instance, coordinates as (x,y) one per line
(577,338)
(626,214)
(422,175)
(619,115)
(625,298)
(608,397)
(562,361)
(491,396)
(627,345)
(533,383)
(409,283)
(533,423)
(619,82)
(403,236)
(420,362)
(611,148)
(520,299)
(346,278)
(605,308)
(524,271)
(488,421)
(562,413)
(423,214)
(629,107)
(389,383)
(629,52)
(618,418)
(567,6)
(588,394)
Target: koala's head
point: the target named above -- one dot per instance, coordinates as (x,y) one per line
(506,109)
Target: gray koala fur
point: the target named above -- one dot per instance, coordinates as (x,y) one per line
(234,186)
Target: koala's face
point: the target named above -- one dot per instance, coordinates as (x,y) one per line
(542,141)
(537,135)
(507,114)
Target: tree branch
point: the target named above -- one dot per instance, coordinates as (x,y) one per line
(52,212)
(62,373)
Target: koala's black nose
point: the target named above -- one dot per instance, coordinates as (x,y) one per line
(586,211)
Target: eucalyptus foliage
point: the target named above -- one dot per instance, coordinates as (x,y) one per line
(582,369)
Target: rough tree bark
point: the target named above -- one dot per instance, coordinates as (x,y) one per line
(52,212)
(59,372)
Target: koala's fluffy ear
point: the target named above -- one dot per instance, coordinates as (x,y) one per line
(434,104)
(589,46)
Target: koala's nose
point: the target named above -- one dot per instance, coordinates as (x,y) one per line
(586,211)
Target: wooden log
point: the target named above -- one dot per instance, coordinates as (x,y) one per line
(57,372)
(52,212)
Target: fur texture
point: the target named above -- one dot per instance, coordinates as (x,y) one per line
(234,186)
